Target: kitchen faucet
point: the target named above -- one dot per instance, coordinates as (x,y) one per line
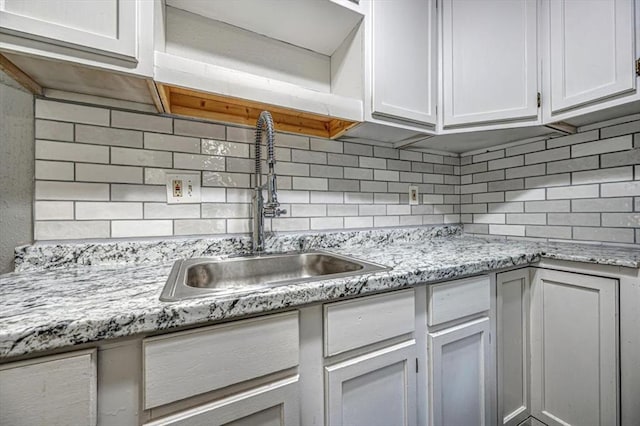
(271,207)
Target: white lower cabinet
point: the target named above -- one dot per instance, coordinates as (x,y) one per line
(514,404)
(574,349)
(275,404)
(460,371)
(378,388)
(53,390)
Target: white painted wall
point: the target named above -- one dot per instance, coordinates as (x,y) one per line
(16,169)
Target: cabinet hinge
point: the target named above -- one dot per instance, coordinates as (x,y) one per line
(416,365)
(638,67)
(539,99)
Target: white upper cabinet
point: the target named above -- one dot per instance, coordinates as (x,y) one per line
(489,62)
(403,58)
(87,32)
(590,51)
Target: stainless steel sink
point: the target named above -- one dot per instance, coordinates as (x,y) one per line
(205,277)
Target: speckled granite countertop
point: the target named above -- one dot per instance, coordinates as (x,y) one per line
(53,307)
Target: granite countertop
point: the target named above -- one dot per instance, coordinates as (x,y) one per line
(53,307)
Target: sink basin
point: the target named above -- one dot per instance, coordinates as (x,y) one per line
(205,277)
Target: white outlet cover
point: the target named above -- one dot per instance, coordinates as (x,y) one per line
(414,195)
(190,188)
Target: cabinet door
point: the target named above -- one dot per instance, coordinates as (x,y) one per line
(574,349)
(513,347)
(489,58)
(403,63)
(590,51)
(376,389)
(55,390)
(274,404)
(460,371)
(106,27)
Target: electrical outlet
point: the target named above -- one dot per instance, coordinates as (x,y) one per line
(414,196)
(183,188)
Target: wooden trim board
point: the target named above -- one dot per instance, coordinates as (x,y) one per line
(224,109)
(20,76)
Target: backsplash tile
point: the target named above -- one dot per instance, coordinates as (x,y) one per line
(583,187)
(100,174)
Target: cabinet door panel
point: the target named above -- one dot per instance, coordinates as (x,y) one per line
(489,54)
(374,389)
(274,404)
(574,356)
(591,51)
(460,371)
(106,26)
(403,74)
(54,390)
(513,346)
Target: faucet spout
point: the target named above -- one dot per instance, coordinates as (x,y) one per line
(270,208)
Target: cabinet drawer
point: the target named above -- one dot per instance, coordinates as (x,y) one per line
(355,323)
(184,364)
(458,299)
(54,390)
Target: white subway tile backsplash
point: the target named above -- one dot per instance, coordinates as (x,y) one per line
(345,160)
(620,143)
(373,163)
(526,171)
(360,149)
(226,149)
(386,175)
(138,193)
(358,222)
(105,173)
(586,163)
(398,209)
(526,195)
(411,220)
(357,173)
(327,223)
(67,151)
(62,111)
(385,198)
(575,219)
(312,184)
(198,162)
(326,145)
(620,129)
(614,235)
(49,190)
(489,218)
(238,226)
(108,136)
(108,210)
(526,148)
(555,232)
(239,195)
(151,123)
(141,157)
(547,206)
(199,129)
(432,158)
(232,180)
(623,158)
(171,211)
(372,210)
(548,155)
(65,230)
(308,210)
(602,175)
(527,219)
(141,228)
(380,186)
(226,210)
(508,162)
(298,156)
(602,205)
(53,210)
(325,171)
(164,142)
(620,189)
(628,220)
(515,230)
(582,191)
(511,207)
(200,227)
(54,170)
(573,139)
(491,155)
(562,179)
(54,130)
(342,210)
(290,224)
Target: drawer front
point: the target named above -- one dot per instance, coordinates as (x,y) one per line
(184,364)
(54,390)
(457,299)
(355,323)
